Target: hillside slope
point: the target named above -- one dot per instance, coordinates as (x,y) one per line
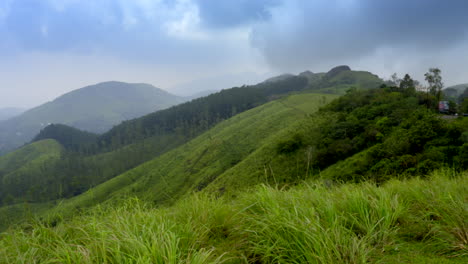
(194,165)
(88,162)
(411,221)
(19,169)
(94,108)
(371,135)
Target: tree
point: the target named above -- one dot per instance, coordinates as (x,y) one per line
(434,79)
(395,80)
(407,82)
(464,106)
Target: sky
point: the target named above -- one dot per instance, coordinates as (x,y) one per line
(50,47)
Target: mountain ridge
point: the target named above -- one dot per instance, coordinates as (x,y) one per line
(95,108)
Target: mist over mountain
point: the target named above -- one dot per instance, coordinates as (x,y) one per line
(215,83)
(94,108)
(9,112)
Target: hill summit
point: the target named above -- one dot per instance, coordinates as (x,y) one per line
(95,108)
(337,70)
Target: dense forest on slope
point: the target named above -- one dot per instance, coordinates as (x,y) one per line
(94,108)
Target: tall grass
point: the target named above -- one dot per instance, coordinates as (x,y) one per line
(311,223)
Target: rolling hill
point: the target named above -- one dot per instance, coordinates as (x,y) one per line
(94,108)
(90,160)
(460,88)
(454,93)
(136,141)
(285,142)
(194,165)
(276,180)
(338,80)
(19,169)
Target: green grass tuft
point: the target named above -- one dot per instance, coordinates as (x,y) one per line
(409,221)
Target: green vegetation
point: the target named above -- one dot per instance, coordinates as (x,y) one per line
(363,135)
(21,171)
(193,166)
(89,161)
(271,173)
(70,138)
(94,108)
(417,221)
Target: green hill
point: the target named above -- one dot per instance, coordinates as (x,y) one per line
(90,160)
(460,88)
(336,81)
(284,142)
(455,92)
(194,165)
(19,170)
(94,108)
(203,196)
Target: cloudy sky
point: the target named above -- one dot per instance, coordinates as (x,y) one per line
(48,47)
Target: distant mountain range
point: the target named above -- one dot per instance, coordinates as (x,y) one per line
(9,112)
(94,108)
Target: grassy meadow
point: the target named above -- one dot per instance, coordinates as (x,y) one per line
(420,220)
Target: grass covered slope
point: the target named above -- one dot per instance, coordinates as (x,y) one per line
(16,168)
(374,134)
(90,160)
(412,221)
(15,171)
(194,165)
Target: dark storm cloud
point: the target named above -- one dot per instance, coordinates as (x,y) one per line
(131,30)
(229,13)
(306,32)
(178,41)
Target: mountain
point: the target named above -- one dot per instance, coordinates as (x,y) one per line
(459,88)
(92,159)
(336,81)
(89,160)
(94,108)
(279,77)
(268,173)
(195,165)
(287,140)
(9,112)
(456,93)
